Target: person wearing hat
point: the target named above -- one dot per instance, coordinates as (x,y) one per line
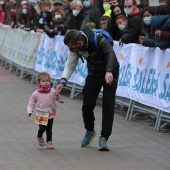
(58,4)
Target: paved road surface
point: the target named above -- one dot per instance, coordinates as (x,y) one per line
(134,145)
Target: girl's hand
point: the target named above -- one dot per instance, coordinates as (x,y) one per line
(56,94)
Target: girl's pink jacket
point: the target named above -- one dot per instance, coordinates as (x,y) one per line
(40,100)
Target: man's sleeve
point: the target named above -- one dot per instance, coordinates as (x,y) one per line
(70,65)
(107,49)
(165,35)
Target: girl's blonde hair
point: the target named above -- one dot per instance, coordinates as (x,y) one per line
(40,75)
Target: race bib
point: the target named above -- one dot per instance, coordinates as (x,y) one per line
(41,118)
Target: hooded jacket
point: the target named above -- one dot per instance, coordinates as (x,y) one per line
(161,22)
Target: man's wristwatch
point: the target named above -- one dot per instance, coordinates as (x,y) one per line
(62,81)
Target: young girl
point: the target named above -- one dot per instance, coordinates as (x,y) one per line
(43,99)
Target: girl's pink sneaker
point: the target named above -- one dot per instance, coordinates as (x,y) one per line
(50,145)
(41,141)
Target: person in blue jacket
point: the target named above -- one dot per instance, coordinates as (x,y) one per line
(161,21)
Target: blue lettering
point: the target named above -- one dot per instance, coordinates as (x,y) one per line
(163,94)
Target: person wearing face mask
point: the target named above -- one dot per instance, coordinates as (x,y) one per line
(92,13)
(134,22)
(26,17)
(122,22)
(161,21)
(76,18)
(57,27)
(103,22)
(113,30)
(103,69)
(106,6)
(148,38)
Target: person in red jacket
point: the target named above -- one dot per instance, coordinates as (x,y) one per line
(2,12)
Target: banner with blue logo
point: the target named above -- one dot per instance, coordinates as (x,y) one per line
(144,75)
(51,57)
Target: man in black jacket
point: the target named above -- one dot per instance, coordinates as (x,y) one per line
(134,22)
(75,19)
(103,69)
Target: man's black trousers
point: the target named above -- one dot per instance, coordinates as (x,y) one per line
(91,91)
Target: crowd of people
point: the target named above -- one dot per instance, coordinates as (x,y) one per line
(126,21)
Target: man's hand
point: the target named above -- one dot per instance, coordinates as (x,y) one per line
(59,87)
(109,78)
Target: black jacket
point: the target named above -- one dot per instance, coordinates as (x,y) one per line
(113,30)
(74,22)
(149,40)
(100,60)
(134,29)
(92,14)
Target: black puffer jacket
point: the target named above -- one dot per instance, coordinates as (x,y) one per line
(102,59)
(92,14)
(74,22)
(134,29)
(149,40)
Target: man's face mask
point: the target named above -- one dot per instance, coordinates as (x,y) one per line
(128,11)
(75,50)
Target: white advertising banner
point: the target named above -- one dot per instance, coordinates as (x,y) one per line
(144,72)
(51,57)
(144,75)
(20,47)
(3,33)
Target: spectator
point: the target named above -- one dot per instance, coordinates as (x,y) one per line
(66,4)
(103,22)
(121,1)
(76,18)
(149,33)
(57,27)
(134,22)
(106,6)
(113,2)
(111,25)
(26,17)
(58,4)
(11,15)
(161,21)
(39,7)
(2,12)
(92,13)
(45,17)
(91,25)
(122,22)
